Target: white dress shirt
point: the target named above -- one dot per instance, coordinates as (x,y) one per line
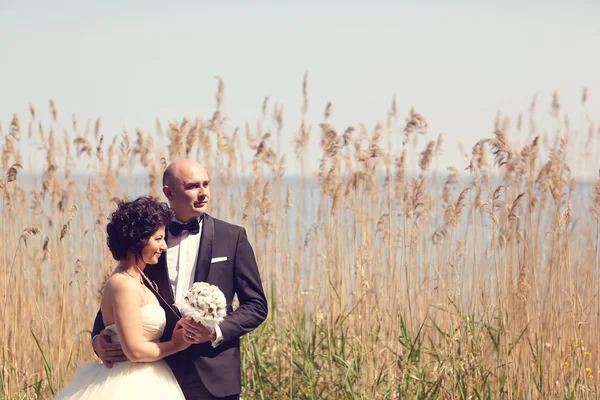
(182,256)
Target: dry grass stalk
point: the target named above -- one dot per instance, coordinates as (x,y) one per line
(11,174)
(14,128)
(427,156)
(450,184)
(53,109)
(352,268)
(415,124)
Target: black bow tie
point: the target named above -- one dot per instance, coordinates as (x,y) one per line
(193,227)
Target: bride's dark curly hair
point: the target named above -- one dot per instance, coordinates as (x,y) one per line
(133,223)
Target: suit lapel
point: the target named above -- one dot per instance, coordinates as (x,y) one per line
(205,250)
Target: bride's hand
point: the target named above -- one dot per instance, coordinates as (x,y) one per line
(178,338)
(195,332)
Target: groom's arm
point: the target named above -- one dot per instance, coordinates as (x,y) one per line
(253,308)
(108,352)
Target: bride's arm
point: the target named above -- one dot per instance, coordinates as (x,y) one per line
(128,320)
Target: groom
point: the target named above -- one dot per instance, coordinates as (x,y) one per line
(200,249)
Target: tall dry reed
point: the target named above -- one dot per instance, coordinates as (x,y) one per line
(385,278)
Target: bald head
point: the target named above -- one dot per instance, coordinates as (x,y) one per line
(186,186)
(174,170)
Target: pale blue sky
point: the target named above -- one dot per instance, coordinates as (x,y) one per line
(456,63)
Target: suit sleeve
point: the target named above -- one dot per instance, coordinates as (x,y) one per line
(98,324)
(253,308)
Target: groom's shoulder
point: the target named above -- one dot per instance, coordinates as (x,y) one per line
(224,225)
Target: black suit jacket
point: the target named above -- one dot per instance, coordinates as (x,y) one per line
(219,368)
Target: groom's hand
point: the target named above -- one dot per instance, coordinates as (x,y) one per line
(109,353)
(195,332)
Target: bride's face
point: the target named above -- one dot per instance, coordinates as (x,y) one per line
(155,247)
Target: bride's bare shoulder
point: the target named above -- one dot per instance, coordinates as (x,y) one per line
(118,283)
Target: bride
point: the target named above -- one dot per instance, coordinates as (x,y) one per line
(136,237)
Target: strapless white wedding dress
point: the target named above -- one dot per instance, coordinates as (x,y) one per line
(127,380)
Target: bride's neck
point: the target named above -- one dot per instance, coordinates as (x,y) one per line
(132,266)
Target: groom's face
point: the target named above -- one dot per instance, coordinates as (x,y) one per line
(189,192)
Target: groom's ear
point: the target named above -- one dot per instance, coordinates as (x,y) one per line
(167,192)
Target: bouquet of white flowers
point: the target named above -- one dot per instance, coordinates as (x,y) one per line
(204,303)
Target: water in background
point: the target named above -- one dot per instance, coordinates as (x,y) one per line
(137,185)
(310,200)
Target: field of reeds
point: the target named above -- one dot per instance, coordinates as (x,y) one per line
(388,275)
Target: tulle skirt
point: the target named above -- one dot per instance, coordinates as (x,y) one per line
(124,381)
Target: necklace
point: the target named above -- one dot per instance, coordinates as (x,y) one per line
(132,276)
(152,286)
